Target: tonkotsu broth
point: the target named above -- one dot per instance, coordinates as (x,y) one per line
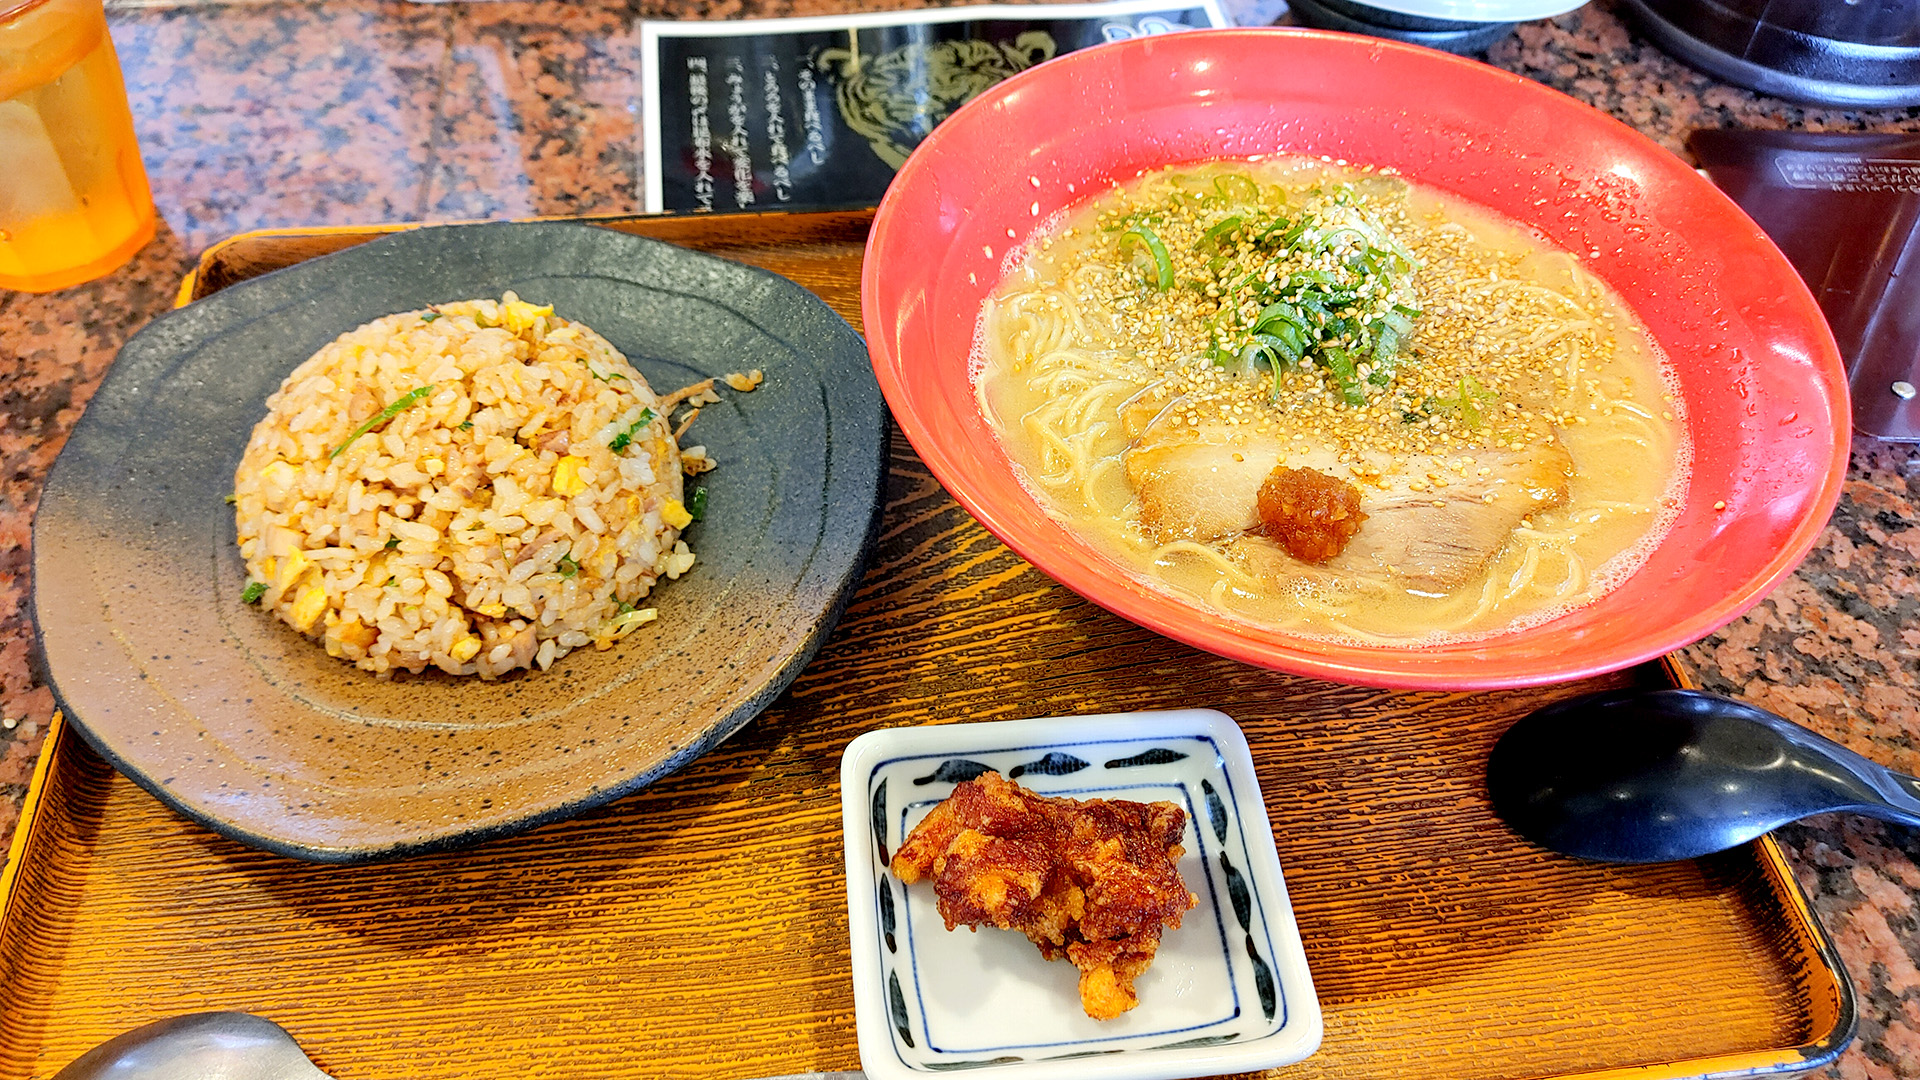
(1523,383)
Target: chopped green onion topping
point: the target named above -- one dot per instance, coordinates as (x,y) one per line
(392,542)
(1162,276)
(1236,188)
(1222,229)
(1313,280)
(697,504)
(430,316)
(1465,403)
(568,567)
(619,442)
(253,592)
(411,397)
(230,498)
(1345,374)
(466,425)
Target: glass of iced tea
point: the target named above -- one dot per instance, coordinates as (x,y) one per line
(74,201)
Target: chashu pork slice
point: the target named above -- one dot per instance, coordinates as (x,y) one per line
(1203,485)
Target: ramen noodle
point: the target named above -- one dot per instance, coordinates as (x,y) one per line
(1323,399)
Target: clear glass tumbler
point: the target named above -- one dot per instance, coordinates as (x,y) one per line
(74,201)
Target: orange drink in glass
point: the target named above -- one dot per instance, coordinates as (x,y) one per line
(74,201)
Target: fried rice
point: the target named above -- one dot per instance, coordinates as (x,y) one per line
(479,487)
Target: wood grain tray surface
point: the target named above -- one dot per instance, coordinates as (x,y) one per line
(698,928)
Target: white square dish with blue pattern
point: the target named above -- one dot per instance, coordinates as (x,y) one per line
(1227,992)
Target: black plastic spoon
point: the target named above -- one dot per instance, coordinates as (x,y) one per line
(1653,776)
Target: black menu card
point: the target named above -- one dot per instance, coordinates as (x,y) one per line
(817,113)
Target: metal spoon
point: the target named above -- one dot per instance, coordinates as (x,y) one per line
(225,1046)
(1653,776)
(201,1046)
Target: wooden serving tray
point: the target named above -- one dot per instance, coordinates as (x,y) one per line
(698,929)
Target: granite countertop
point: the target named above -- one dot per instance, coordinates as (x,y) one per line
(282,112)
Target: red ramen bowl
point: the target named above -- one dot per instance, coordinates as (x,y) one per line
(1763,386)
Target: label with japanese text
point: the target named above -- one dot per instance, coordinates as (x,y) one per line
(818,113)
(1811,170)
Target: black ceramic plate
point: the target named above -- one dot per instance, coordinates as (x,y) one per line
(237,722)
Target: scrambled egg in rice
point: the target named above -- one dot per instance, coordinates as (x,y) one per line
(479,486)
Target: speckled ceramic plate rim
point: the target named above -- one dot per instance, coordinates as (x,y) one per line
(222,313)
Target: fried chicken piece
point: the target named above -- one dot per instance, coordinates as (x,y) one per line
(1093,882)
